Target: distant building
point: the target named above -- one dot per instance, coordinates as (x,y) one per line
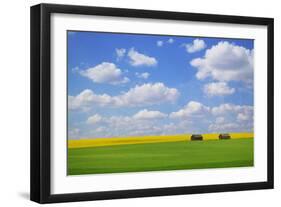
(224,136)
(196,137)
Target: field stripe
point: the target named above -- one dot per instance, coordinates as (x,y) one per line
(97,142)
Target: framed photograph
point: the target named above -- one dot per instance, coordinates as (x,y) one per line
(132,103)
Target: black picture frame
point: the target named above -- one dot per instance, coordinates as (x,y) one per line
(41,98)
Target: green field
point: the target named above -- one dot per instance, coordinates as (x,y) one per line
(161,156)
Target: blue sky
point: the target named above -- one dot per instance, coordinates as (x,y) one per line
(128,84)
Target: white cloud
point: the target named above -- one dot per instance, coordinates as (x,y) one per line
(220,120)
(139,124)
(74,133)
(245,115)
(140,95)
(145,114)
(105,73)
(170,40)
(128,126)
(232,118)
(139,59)
(119,120)
(195,117)
(227,127)
(87,98)
(100,129)
(94,119)
(218,89)
(242,117)
(196,46)
(223,108)
(225,62)
(177,128)
(231,108)
(75,69)
(192,109)
(143,75)
(148,94)
(159,43)
(120,52)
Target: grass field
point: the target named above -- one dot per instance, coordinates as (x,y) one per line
(154,156)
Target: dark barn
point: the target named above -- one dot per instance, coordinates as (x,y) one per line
(224,136)
(196,137)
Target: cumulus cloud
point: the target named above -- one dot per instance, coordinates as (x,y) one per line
(223,108)
(194,117)
(120,52)
(75,69)
(87,98)
(192,109)
(218,89)
(148,94)
(131,126)
(74,133)
(231,118)
(105,73)
(180,127)
(145,114)
(231,108)
(241,119)
(140,95)
(143,75)
(139,59)
(159,43)
(227,127)
(170,40)
(220,120)
(245,115)
(196,46)
(100,129)
(96,118)
(144,122)
(225,62)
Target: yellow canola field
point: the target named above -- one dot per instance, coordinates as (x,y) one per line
(97,142)
(232,135)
